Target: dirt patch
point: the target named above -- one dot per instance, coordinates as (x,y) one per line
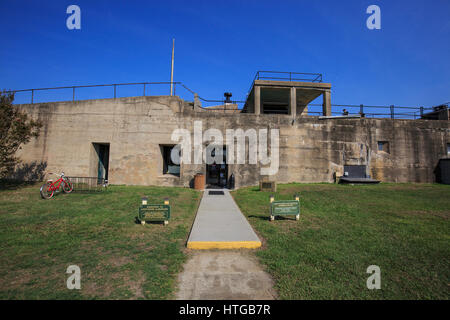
(442,214)
(91,288)
(21,278)
(119,261)
(220,274)
(136,288)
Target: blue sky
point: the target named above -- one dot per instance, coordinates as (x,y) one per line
(221,44)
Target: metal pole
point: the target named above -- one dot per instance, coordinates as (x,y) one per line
(361,109)
(144,89)
(114,91)
(73,94)
(171,73)
(392,111)
(32,96)
(421,112)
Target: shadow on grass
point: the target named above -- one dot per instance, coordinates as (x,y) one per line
(137,221)
(267,218)
(285,218)
(15,184)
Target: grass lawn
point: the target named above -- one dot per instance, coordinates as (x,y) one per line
(119,259)
(402,228)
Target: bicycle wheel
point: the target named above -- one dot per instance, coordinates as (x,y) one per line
(46,191)
(67,186)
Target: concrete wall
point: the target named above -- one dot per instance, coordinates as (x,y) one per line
(311,150)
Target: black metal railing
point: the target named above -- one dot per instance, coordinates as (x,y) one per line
(146,88)
(392,111)
(222,101)
(288,76)
(285,76)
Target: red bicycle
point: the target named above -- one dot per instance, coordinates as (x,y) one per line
(49,188)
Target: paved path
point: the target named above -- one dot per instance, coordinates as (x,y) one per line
(224,275)
(220,224)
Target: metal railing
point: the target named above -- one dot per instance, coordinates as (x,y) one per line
(288,76)
(146,88)
(392,111)
(88,184)
(210,100)
(285,76)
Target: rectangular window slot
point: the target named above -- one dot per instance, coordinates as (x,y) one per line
(383,146)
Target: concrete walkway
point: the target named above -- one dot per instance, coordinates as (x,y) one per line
(224,275)
(220,224)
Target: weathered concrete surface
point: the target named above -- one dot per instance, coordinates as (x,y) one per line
(293,93)
(311,150)
(219,224)
(219,275)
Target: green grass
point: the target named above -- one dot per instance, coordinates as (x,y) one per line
(119,259)
(402,228)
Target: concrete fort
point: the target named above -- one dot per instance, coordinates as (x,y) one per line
(128,140)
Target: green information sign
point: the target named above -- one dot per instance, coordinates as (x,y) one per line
(154,212)
(285,208)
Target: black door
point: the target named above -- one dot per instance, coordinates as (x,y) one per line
(217,173)
(103,160)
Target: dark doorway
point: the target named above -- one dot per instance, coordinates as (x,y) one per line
(217,173)
(169,167)
(102,152)
(275,108)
